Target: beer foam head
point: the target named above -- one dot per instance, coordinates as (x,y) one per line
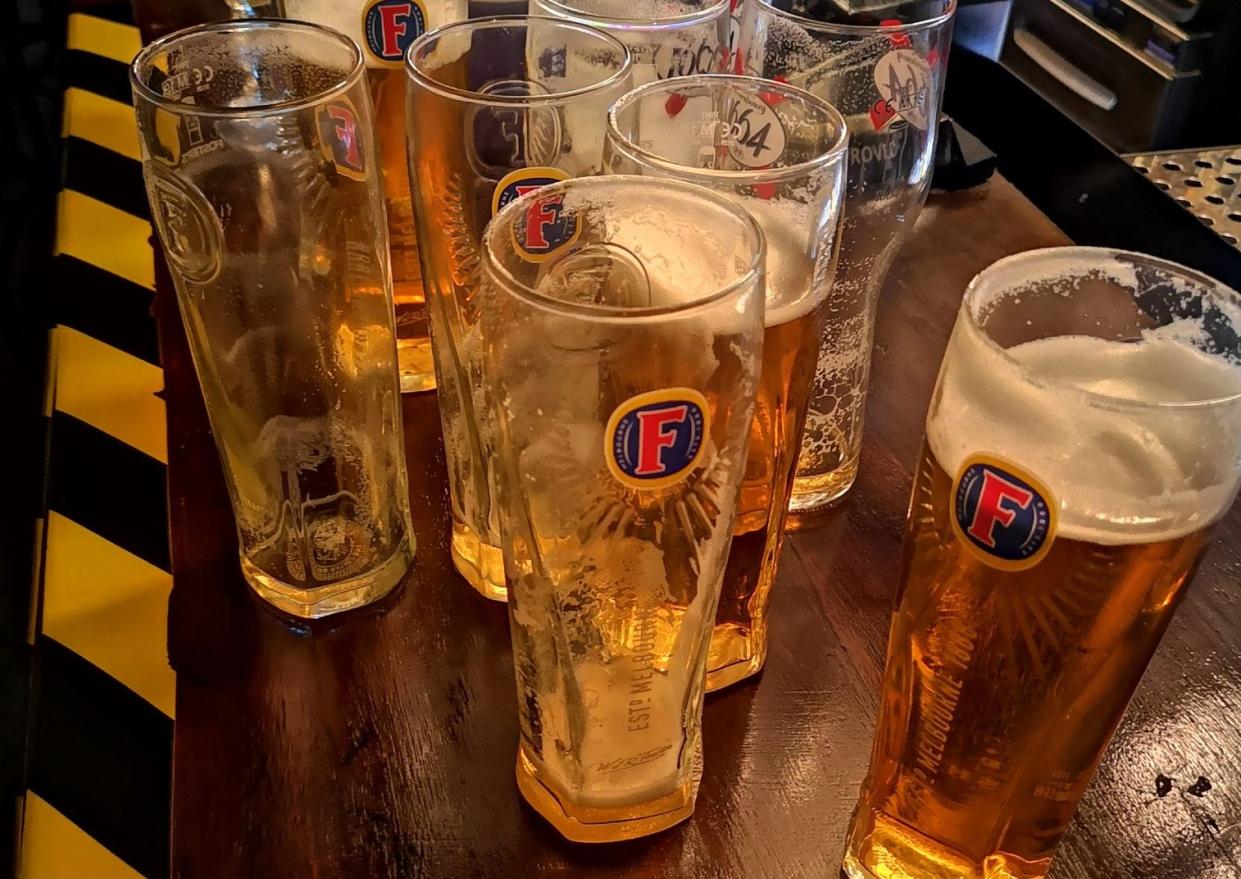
(1137,434)
(797,245)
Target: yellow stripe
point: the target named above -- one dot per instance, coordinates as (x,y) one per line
(102,121)
(111,390)
(109,607)
(120,42)
(107,237)
(53,847)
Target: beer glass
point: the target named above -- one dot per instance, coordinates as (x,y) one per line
(1083,438)
(884,70)
(667,38)
(779,152)
(623,328)
(264,189)
(497,107)
(384,29)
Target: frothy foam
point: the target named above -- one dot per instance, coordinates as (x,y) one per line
(789,227)
(1123,470)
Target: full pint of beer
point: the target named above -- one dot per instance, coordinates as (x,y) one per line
(385,29)
(1081,441)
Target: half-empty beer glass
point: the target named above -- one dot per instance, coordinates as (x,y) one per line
(778,152)
(623,328)
(496,107)
(884,70)
(264,188)
(1083,438)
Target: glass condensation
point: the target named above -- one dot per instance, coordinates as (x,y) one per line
(497,107)
(888,81)
(778,152)
(614,562)
(265,193)
(1103,388)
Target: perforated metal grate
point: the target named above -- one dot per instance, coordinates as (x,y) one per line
(1204,182)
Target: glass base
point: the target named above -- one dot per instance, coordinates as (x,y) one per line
(601,823)
(414,365)
(480,563)
(322,601)
(812,493)
(736,653)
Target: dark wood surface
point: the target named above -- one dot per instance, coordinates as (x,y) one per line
(381,743)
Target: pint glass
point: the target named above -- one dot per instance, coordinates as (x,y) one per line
(884,70)
(623,322)
(497,107)
(666,38)
(384,29)
(264,189)
(1082,439)
(779,152)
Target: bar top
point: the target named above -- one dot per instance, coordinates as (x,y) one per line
(381,743)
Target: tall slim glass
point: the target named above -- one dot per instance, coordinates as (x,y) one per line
(621,364)
(384,29)
(667,38)
(884,70)
(779,152)
(264,189)
(1083,438)
(497,107)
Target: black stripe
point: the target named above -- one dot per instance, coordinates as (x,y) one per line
(105,306)
(101,755)
(109,487)
(106,176)
(97,74)
(121,13)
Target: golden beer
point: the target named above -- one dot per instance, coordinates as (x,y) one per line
(1065,494)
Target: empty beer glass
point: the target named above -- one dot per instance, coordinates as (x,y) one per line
(264,188)
(496,107)
(779,152)
(884,70)
(1082,440)
(667,38)
(623,328)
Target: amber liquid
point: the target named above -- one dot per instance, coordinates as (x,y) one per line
(1001,692)
(413,342)
(739,641)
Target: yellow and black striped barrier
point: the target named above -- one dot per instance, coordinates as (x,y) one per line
(99,761)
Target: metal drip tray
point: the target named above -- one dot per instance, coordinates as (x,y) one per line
(1204,182)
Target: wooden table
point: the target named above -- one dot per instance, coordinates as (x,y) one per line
(381,743)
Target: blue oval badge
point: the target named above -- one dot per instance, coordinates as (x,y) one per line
(653,440)
(389,26)
(546,225)
(1003,515)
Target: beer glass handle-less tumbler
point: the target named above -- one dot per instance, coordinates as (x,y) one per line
(264,189)
(621,364)
(778,152)
(1082,440)
(884,69)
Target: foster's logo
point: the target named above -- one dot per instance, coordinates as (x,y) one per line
(546,226)
(1005,517)
(339,133)
(389,26)
(654,440)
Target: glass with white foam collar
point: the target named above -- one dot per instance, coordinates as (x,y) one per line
(778,152)
(884,69)
(494,109)
(1083,439)
(622,354)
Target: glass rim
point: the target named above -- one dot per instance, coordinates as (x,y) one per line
(863,30)
(350,78)
(1096,256)
(671,22)
(619,314)
(473,96)
(836,152)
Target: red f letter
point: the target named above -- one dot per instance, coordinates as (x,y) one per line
(392,25)
(656,434)
(346,131)
(540,215)
(995,490)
